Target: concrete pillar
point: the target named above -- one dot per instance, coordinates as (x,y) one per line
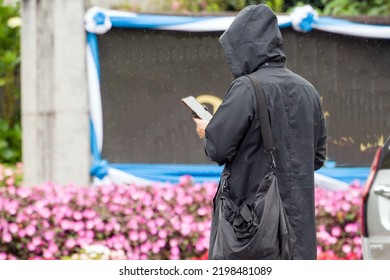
(55,118)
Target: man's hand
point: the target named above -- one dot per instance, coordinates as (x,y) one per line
(200,127)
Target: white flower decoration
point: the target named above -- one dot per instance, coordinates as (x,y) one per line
(303,18)
(97,21)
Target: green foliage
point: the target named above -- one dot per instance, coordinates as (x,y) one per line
(358,7)
(10,132)
(276,5)
(10,142)
(234,5)
(327,7)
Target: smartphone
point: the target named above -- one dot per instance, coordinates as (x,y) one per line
(198,110)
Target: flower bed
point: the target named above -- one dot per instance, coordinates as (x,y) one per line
(159,222)
(338,223)
(164,221)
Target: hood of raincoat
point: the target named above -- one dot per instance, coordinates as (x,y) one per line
(252,39)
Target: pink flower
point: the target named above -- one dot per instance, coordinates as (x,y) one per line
(49,235)
(148,213)
(13,228)
(179,209)
(197,187)
(199,247)
(331,239)
(201,227)
(346,206)
(11,190)
(143,236)
(160,222)
(8,172)
(185,229)
(89,224)
(78,226)
(77,215)
(351,227)
(175,251)
(187,219)
(189,200)
(10,181)
(89,234)
(70,243)
(162,234)
(336,231)
(11,207)
(346,248)
(47,254)
(185,180)
(7,238)
(144,248)
(31,247)
(161,207)
(22,233)
(133,235)
(36,241)
(133,223)
(30,230)
(202,211)
(82,241)
(161,243)
(45,213)
(168,195)
(155,249)
(89,214)
(109,227)
(99,226)
(23,192)
(357,240)
(65,224)
(173,243)
(152,227)
(53,247)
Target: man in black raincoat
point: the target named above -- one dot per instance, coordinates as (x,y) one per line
(253,44)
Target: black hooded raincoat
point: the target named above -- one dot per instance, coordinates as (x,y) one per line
(253,44)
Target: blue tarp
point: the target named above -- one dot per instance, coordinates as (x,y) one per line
(211,173)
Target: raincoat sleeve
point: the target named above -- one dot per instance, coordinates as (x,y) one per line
(320,156)
(230,123)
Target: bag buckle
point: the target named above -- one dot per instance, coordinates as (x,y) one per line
(270,152)
(225,176)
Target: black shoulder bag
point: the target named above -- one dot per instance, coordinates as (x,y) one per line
(261,230)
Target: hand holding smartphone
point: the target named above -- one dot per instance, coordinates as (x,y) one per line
(198,110)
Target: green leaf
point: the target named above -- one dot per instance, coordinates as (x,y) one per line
(3,144)
(8,154)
